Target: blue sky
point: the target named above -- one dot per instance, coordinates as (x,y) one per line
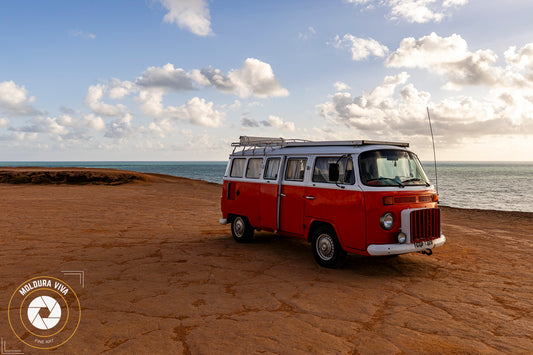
(181,80)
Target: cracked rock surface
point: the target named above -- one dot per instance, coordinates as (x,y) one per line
(162,276)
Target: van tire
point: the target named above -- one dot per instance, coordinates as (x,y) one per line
(241,229)
(326,248)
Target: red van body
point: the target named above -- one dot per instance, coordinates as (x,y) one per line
(363,197)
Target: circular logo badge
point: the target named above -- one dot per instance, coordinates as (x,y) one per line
(44,312)
(35,315)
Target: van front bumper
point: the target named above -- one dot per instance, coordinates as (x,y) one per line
(397,248)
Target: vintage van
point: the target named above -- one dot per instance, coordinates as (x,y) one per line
(363,197)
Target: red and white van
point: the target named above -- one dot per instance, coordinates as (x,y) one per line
(363,197)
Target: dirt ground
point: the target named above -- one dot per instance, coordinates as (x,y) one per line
(162,276)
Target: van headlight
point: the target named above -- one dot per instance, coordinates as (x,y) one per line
(386,221)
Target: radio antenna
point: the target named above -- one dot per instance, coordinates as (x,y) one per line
(434,154)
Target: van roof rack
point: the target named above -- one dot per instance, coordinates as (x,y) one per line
(264,142)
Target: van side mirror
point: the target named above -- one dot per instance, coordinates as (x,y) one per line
(333,172)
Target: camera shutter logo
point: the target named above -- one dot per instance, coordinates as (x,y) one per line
(34,312)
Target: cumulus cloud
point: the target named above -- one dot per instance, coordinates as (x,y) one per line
(120,127)
(396,108)
(94,97)
(413,11)
(361,48)
(340,86)
(192,15)
(14,100)
(254,78)
(279,123)
(272,121)
(196,111)
(166,77)
(94,122)
(450,57)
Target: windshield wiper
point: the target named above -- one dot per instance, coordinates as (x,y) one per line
(416,180)
(396,182)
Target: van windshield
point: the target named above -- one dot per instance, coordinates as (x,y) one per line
(391,168)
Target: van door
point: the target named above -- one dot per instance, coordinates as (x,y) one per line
(292,196)
(268,208)
(339,202)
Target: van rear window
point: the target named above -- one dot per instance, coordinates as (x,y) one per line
(237,167)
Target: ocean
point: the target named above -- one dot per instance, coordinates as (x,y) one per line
(482,185)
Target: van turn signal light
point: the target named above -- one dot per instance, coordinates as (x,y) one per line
(388,200)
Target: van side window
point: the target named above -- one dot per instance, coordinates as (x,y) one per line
(237,167)
(254,168)
(321,171)
(271,169)
(296,169)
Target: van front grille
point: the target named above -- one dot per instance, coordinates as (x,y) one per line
(425,224)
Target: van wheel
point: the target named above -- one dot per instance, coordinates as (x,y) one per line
(241,229)
(327,249)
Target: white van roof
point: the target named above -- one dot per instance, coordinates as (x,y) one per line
(248,141)
(269,145)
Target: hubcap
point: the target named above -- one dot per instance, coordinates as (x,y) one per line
(238,227)
(325,247)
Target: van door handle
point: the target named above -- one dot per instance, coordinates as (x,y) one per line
(283,195)
(310,197)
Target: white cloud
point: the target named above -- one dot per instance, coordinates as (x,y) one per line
(272,121)
(119,89)
(280,124)
(166,77)
(429,51)
(450,57)
(94,97)
(4,122)
(120,128)
(340,86)
(195,111)
(522,59)
(199,112)
(192,15)
(14,99)
(254,78)
(413,11)
(94,122)
(361,48)
(396,108)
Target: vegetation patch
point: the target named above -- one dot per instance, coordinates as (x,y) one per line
(82,177)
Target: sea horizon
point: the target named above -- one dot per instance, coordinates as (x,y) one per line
(487,185)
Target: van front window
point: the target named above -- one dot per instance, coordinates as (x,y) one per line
(391,168)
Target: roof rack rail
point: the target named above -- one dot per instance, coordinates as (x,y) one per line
(264,142)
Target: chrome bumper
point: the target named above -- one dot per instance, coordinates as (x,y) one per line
(397,248)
